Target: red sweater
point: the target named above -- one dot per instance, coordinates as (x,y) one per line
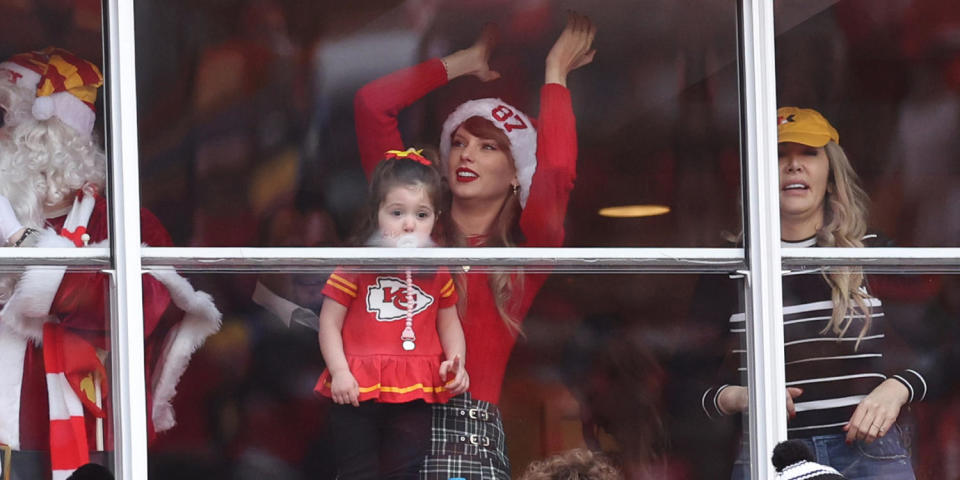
(489,341)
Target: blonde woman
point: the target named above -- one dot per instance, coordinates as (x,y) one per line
(843,394)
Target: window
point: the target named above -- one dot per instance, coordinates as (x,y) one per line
(235,125)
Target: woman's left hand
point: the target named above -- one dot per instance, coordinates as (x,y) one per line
(572,50)
(461,381)
(877,412)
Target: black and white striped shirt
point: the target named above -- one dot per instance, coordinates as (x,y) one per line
(835,374)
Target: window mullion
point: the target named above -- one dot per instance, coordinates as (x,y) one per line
(765,364)
(129,386)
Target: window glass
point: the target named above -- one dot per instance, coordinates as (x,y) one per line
(249,134)
(57,395)
(614,363)
(845,368)
(885,75)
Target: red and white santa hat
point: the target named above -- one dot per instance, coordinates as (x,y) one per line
(517,126)
(66,85)
(24,69)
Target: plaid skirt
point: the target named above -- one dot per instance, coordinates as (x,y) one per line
(467,441)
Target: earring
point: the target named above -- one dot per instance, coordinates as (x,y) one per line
(515,189)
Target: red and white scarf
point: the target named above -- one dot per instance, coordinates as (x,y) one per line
(68,360)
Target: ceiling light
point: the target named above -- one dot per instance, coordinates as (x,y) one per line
(633,211)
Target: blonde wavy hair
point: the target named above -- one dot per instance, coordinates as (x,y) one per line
(845,212)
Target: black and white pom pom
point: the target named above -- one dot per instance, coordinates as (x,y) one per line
(790,452)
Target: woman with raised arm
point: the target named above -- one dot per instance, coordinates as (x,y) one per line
(510,182)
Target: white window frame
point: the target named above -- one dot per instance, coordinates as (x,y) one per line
(762,259)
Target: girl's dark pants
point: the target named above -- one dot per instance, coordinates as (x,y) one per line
(381,440)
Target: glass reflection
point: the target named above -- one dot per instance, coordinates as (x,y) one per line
(608,363)
(885,73)
(251,113)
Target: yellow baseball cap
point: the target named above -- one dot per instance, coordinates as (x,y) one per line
(805,126)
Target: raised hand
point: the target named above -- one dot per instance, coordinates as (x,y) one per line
(572,50)
(475,59)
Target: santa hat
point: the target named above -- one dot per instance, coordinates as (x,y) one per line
(24,69)
(514,124)
(794,461)
(66,85)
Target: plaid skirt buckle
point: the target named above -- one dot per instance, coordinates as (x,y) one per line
(477,414)
(478,440)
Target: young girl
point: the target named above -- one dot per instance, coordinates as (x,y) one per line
(393,343)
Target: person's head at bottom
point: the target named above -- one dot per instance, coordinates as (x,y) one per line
(91,471)
(793,460)
(576,464)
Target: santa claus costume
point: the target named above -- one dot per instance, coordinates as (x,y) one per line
(54,324)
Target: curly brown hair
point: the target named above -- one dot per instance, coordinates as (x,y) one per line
(576,464)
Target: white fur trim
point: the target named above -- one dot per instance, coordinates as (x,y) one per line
(523,141)
(13,347)
(22,319)
(200,320)
(20,76)
(29,306)
(42,108)
(68,108)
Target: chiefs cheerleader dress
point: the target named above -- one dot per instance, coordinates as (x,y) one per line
(372,330)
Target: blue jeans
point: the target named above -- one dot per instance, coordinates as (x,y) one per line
(887,458)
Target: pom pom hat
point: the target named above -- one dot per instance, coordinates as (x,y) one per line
(793,460)
(804,126)
(66,85)
(517,127)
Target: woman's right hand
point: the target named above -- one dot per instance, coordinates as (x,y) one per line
(344,388)
(475,59)
(734,399)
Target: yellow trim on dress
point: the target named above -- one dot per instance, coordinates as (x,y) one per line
(352,293)
(400,390)
(334,276)
(447,289)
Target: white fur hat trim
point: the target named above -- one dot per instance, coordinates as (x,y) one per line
(19,75)
(68,108)
(518,128)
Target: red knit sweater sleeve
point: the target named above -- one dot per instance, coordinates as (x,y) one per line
(542,218)
(378,103)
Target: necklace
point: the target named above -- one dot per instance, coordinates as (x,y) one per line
(408,337)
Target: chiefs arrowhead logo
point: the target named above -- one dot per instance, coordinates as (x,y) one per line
(388,299)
